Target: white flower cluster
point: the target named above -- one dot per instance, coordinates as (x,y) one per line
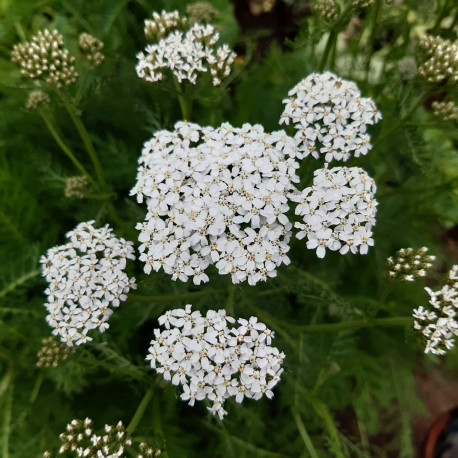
(86,276)
(187,54)
(407,264)
(338,211)
(439,325)
(216,196)
(214,360)
(330,117)
(80,440)
(162,24)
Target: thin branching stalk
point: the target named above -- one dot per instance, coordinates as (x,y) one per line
(184,100)
(140,411)
(304,435)
(332,37)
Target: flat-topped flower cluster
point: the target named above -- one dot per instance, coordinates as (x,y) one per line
(185,53)
(86,277)
(439,324)
(216,196)
(338,211)
(330,117)
(214,358)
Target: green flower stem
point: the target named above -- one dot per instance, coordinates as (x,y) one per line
(403,120)
(157,426)
(184,100)
(374,19)
(87,143)
(170,297)
(52,129)
(305,437)
(140,411)
(36,388)
(230,298)
(7,408)
(329,44)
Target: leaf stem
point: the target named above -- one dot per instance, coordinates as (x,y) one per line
(305,437)
(329,44)
(140,411)
(183,99)
(67,151)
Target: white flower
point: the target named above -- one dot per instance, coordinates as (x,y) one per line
(216,196)
(214,360)
(86,276)
(338,211)
(330,117)
(187,54)
(439,325)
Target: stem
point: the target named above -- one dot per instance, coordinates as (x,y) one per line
(7,408)
(36,388)
(52,129)
(140,411)
(331,38)
(185,103)
(375,15)
(395,127)
(87,143)
(305,437)
(170,297)
(230,298)
(18,282)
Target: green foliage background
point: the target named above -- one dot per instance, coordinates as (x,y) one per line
(348,389)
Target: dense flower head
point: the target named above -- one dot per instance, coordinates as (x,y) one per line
(86,277)
(45,57)
(330,117)
(214,357)
(327,9)
(91,48)
(163,23)
(201,13)
(442,63)
(81,440)
(186,54)
(76,187)
(338,211)
(407,264)
(216,196)
(438,324)
(37,99)
(445,111)
(53,352)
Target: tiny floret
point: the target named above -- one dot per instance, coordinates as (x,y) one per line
(86,277)
(216,196)
(46,58)
(330,117)
(338,211)
(214,357)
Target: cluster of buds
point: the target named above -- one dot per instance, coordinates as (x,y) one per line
(76,187)
(258,7)
(439,324)
(407,68)
(442,63)
(407,264)
(37,99)
(327,9)
(445,111)
(53,352)
(80,440)
(148,452)
(162,24)
(45,57)
(185,53)
(91,48)
(362,3)
(201,13)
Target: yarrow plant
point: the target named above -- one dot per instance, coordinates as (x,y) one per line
(216,196)
(214,358)
(330,117)
(408,265)
(86,277)
(186,54)
(439,324)
(45,57)
(338,211)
